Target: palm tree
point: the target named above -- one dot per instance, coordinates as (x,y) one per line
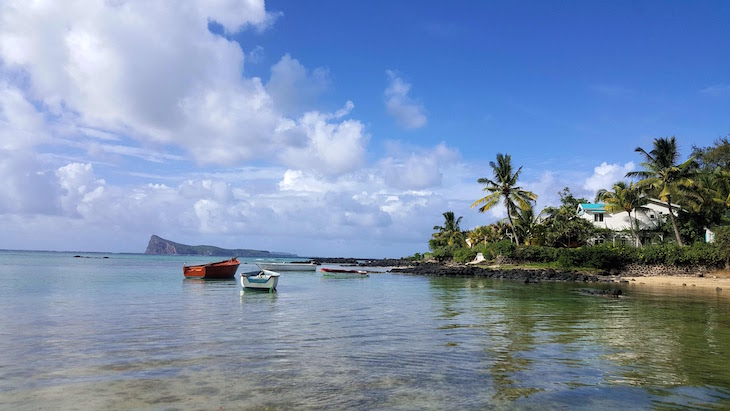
(526,223)
(623,198)
(663,176)
(504,187)
(450,231)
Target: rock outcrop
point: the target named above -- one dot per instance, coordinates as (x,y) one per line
(160,246)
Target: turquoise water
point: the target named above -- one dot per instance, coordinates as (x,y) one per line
(128,332)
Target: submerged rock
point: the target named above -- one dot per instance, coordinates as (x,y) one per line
(603,293)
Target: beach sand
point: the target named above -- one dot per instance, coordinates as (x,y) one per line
(710,281)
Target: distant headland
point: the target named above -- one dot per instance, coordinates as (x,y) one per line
(160,246)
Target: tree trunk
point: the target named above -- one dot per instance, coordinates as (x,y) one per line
(631,225)
(509,216)
(674,224)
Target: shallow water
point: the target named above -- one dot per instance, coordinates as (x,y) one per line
(128,332)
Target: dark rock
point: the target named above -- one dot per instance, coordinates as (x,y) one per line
(603,293)
(523,275)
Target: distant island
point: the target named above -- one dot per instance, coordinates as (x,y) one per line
(160,246)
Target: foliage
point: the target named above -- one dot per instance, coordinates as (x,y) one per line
(415,257)
(528,226)
(696,254)
(722,241)
(504,187)
(448,235)
(558,236)
(488,233)
(623,198)
(716,156)
(504,248)
(663,178)
(446,252)
(465,255)
(563,226)
(537,254)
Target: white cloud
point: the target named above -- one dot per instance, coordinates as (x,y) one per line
(148,70)
(21,125)
(408,113)
(153,73)
(256,55)
(27,189)
(419,169)
(293,87)
(80,188)
(327,146)
(605,175)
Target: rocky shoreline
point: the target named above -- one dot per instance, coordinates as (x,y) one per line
(434,269)
(524,275)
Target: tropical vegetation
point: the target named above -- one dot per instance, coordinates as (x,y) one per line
(504,188)
(698,186)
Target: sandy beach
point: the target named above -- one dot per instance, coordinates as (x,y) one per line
(711,281)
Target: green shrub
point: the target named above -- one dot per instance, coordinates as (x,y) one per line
(445,253)
(565,259)
(655,254)
(505,248)
(536,254)
(701,254)
(722,244)
(604,257)
(464,255)
(415,257)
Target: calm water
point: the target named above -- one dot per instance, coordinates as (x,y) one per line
(128,332)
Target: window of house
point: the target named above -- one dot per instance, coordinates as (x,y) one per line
(651,215)
(598,217)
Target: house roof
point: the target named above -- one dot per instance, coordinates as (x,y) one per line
(594,208)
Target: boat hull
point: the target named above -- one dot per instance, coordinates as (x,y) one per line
(217,270)
(342,273)
(287,266)
(261,280)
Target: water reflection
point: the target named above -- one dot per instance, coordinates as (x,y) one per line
(209,281)
(540,339)
(258,295)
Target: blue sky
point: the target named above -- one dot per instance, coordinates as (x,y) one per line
(332,128)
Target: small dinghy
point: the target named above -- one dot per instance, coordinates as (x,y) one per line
(343,273)
(260,280)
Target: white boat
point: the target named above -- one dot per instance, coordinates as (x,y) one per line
(343,273)
(288,266)
(260,280)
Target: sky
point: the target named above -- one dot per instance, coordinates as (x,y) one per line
(332,128)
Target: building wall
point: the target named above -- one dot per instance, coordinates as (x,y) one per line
(653,214)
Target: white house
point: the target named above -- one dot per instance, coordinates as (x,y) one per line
(649,216)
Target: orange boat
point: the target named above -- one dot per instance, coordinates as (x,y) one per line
(221,269)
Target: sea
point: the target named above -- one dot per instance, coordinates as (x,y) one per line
(94,331)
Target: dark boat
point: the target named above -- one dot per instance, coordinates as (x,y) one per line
(220,269)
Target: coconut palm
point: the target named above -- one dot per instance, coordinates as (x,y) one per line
(450,232)
(623,198)
(527,224)
(662,175)
(504,187)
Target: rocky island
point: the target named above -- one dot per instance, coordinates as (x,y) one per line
(160,246)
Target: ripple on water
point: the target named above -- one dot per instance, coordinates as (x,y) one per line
(120,339)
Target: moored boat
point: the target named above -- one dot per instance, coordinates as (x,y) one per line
(294,266)
(220,269)
(343,273)
(260,280)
